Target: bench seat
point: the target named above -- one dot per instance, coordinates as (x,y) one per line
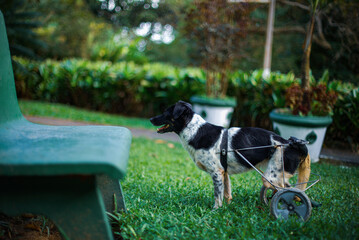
(66,173)
(33,149)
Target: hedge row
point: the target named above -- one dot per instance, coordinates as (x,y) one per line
(137,90)
(145,90)
(123,87)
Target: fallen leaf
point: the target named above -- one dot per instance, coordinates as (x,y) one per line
(171,145)
(260,208)
(160,141)
(188,178)
(28,215)
(33,227)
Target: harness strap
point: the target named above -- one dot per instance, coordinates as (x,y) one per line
(224,149)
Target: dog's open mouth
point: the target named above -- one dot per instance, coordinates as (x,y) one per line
(163,128)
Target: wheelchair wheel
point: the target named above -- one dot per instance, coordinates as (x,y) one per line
(291,203)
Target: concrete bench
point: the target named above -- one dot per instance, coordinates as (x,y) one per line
(68,174)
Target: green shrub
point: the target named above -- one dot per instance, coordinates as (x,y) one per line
(124,87)
(344,130)
(256,96)
(117,49)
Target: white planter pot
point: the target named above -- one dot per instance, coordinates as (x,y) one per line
(220,116)
(216,111)
(311,129)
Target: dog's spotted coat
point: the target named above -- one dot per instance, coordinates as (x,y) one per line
(202,141)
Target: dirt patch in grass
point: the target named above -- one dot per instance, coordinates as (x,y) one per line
(28,227)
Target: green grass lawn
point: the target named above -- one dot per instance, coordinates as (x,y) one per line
(55,110)
(168,197)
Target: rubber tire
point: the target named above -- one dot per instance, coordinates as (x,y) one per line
(263,195)
(305,210)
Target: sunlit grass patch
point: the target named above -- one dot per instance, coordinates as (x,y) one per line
(44,109)
(168,197)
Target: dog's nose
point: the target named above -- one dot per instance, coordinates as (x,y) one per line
(156,120)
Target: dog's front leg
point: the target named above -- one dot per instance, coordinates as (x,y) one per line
(218,178)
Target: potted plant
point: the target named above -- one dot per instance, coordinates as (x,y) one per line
(217,27)
(307,115)
(309,105)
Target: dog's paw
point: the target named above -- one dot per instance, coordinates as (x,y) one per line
(229,200)
(217,205)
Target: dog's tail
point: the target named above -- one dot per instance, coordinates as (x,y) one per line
(303,172)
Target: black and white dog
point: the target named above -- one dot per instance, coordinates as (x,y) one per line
(202,140)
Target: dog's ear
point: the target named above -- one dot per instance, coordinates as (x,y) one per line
(185,103)
(179,109)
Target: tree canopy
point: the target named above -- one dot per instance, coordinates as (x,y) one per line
(159,30)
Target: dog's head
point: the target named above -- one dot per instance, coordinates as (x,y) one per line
(174,118)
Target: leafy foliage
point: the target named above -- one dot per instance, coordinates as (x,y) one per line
(257,96)
(321,96)
(20,23)
(217,27)
(340,21)
(117,49)
(130,14)
(345,128)
(69,29)
(321,104)
(126,88)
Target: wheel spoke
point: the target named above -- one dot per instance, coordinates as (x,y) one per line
(283,213)
(301,210)
(282,204)
(288,197)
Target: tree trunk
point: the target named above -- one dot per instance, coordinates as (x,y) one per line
(209,83)
(224,84)
(305,69)
(269,38)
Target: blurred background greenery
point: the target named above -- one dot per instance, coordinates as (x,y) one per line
(135,57)
(154,31)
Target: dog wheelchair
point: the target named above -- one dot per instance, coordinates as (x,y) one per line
(284,201)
